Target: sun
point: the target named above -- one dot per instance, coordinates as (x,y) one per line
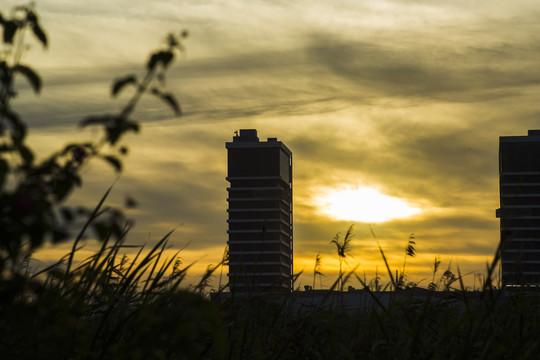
(364,204)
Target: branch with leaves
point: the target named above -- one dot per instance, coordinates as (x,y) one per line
(33,193)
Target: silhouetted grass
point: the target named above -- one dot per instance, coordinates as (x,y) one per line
(112,307)
(109,307)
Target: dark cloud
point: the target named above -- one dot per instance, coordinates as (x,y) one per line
(440,72)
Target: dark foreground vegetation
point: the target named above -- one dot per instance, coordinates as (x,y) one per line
(109,307)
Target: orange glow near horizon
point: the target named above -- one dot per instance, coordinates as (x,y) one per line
(364,204)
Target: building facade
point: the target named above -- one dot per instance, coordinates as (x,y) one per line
(260,214)
(519,212)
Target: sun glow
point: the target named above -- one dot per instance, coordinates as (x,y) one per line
(364,204)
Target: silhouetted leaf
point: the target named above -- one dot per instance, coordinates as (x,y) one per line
(79,154)
(114,162)
(130,125)
(38,31)
(118,128)
(119,84)
(10,27)
(70,147)
(26,154)
(30,15)
(171,41)
(47,167)
(18,134)
(64,185)
(113,134)
(163,57)
(169,99)
(31,75)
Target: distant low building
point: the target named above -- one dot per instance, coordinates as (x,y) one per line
(260,214)
(519,212)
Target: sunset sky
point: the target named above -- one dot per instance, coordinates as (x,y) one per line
(407,98)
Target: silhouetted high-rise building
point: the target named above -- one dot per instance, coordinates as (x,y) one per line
(260,214)
(519,179)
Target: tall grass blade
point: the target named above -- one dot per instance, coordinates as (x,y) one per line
(392,280)
(93,216)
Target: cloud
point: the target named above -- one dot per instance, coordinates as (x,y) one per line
(408,98)
(431,72)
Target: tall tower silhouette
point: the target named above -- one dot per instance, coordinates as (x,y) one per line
(519,212)
(260,214)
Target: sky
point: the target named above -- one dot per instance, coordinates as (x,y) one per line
(404,98)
